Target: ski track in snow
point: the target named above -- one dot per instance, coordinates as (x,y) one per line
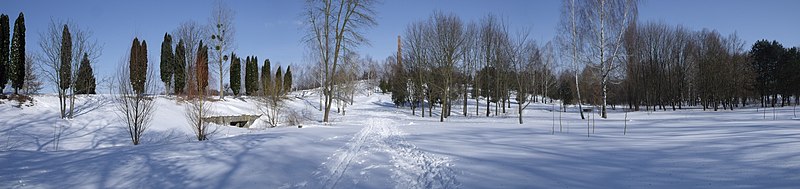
(409,166)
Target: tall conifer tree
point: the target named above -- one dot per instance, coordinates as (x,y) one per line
(167,58)
(5,35)
(179,68)
(17,66)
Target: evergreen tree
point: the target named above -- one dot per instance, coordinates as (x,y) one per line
(17,66)
(287,80)
(266,78)
(565,91)
(236,74)
(248,69)
(398,84)
(255,80)
(384,86)
(251,76)
(278,82)
(85,83)
(133,63)
(788,70)
(765,58)
(167,58)
(202,67)
(142,71)
(65,71)
(138,66)
(5,34)
(179,68)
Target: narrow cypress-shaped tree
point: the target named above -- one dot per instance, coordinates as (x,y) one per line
(287,80)
(133,64)
(202,67)
(17,66)
(278,82)
(85,83)
(167,58)
(255,84)
(142,71)
(266,78)
(5,35)
(235,75)
(251,76)
(65,70)
(248,69)
(179,68)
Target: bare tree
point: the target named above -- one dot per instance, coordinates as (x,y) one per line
(332,25)
(604,23)
(135,109)
(492,34)
(271,107)
(469,59)
(569,40)
(191,33)
(83,43)
(524,55)
(347,79)
(50,60)
(198,107)
(447,38)
(370,70)
(272,96)
(33,83)
(544,70)
(222,41)
(416,52)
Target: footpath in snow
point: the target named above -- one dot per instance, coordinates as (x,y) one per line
(380,147)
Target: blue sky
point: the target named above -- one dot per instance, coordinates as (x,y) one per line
(273,29)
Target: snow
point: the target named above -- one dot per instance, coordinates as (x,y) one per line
(379,146)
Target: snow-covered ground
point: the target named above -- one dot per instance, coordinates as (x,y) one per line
(376,145)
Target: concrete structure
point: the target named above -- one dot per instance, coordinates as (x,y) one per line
(242,121)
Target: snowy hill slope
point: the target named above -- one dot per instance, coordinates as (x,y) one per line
(96,124)
(379,146)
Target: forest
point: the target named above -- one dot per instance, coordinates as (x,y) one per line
(603,56)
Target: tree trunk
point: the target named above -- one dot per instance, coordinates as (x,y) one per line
(605,96)
(444,108)
(327,106)
(487,106)
(413,108)
(62,103)
(221,89)
(519,105)
(578,91)
(465,100)
(72,103)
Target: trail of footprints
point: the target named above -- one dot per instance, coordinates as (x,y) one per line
(409,167)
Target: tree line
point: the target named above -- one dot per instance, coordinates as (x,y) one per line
(602,56)
(443,60)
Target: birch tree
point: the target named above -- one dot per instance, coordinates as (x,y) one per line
(603,24)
